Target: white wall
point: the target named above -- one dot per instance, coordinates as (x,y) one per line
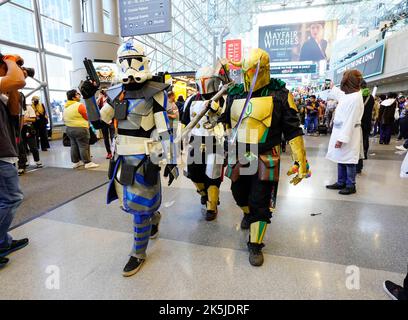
(396,57)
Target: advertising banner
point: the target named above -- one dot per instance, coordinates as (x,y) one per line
(311,41)
(370,62)
(107,72)
(293,69)
(233,51)
(144,17)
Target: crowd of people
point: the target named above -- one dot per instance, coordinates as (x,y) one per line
(385,115)
(351,114)
(33,135)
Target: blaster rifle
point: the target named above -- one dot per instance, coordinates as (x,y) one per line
(90,70)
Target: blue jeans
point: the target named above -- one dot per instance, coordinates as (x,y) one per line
(312,123)
(346,174)
(10,198)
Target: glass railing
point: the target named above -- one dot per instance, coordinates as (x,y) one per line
(400,26)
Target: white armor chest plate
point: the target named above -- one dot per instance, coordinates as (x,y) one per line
(199,130)
(139,115)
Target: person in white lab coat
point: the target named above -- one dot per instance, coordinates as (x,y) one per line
(346,139)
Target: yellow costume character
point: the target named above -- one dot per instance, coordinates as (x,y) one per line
(260,123)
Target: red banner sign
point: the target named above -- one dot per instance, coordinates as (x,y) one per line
(233,51)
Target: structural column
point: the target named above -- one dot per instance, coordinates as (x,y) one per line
(76,15)
(114,17)
(97,9)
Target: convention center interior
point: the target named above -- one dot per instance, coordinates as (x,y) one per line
(204,150)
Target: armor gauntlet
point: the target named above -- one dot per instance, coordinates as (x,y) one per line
(169,147)
(301,166)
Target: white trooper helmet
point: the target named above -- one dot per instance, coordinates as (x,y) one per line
(133,62)
(207,80)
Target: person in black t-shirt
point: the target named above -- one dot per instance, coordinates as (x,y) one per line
(12,78)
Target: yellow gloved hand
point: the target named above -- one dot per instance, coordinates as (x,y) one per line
(215,108)
(301,167)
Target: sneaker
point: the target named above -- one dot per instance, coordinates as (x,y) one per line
(3,262)
(39,164)
(210,215)
(245,224)
(132,267)
(109,156)
(401,148)
(348,190)
(256,258)
(91,165)
(77,165)
(15,245)
(336,186)
(393,290)
(21,172)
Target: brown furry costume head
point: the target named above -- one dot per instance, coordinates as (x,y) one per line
(351,81)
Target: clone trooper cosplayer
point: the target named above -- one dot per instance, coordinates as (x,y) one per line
(138,108)
(205,156)
(260,123)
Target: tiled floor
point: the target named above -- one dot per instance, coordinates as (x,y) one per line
(86,242)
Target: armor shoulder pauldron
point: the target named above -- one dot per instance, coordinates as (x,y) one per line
(114,91)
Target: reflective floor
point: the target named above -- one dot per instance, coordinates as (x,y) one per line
(346,252)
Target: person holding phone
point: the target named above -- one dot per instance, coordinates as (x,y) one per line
(346,139)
